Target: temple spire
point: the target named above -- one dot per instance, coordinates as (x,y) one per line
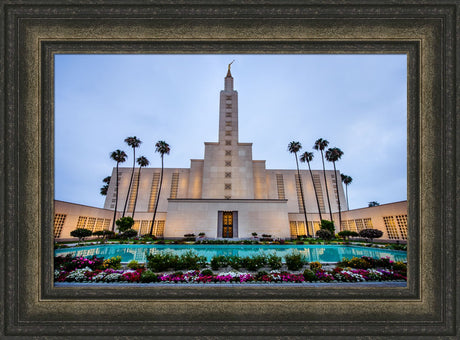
(229,74)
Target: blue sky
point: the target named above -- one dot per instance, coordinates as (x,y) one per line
(357,102)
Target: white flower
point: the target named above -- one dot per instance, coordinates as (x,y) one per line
(112,277)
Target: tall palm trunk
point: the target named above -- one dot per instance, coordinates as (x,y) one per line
(130,181)
(338,197)
(116,202)
(346,191)
(301,194)
(158,197)
(327,190)
(137,191)
(316,194)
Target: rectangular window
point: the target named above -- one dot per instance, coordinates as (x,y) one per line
(228,97)
(402,224)
(280,186)
(59,220)
(228,142)
(99,224)
(368,223)
(91,223)
(228,123)
(106,224)
(228,186)
(359,224)
(228,175)
(227,197)
(174,185)
(319,192)
(299,193)
(154,191)
(228,106)
(228,152)
(228,133)
(293,227)
(390,225)
(228,115)
(144,227)
(159,228)
(228,163)
(134,188)
(81,223)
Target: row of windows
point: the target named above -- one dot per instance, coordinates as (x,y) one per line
(297,228)
(143,227)
(357,225)
(93,223)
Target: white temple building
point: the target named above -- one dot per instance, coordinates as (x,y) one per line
(227,194)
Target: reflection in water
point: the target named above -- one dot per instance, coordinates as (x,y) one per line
(319,253)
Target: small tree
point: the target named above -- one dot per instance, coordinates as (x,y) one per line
(345,234)
(124,223)
(128,233)
(103,234)
(370,234)
(328,225)
(81,233)
(324,234)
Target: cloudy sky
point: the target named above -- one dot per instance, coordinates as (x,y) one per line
(357,102)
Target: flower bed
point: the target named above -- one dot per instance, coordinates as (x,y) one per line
(94,271)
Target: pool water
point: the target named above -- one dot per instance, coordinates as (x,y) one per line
(321,253)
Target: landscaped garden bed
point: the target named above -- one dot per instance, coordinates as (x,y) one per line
(190,268)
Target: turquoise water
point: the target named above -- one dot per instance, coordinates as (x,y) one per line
(321,253)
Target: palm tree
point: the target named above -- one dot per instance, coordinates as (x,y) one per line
(346,180)
(320,145)
(119,157)
(308,157)
(142,162)
(294,147)
(105,187)
(333,155)
(162,148)
(133,142)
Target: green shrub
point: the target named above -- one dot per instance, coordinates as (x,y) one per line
(345,234)
(161,261)
(207,272)
(190,261)
(328,225)
(124,223)
(295,261)
(128,233)
(309,275)
(218,261)
(274,261)
(315,266)
(255,262)
(324,234)
(148,276)
(235,262)
(134,265)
